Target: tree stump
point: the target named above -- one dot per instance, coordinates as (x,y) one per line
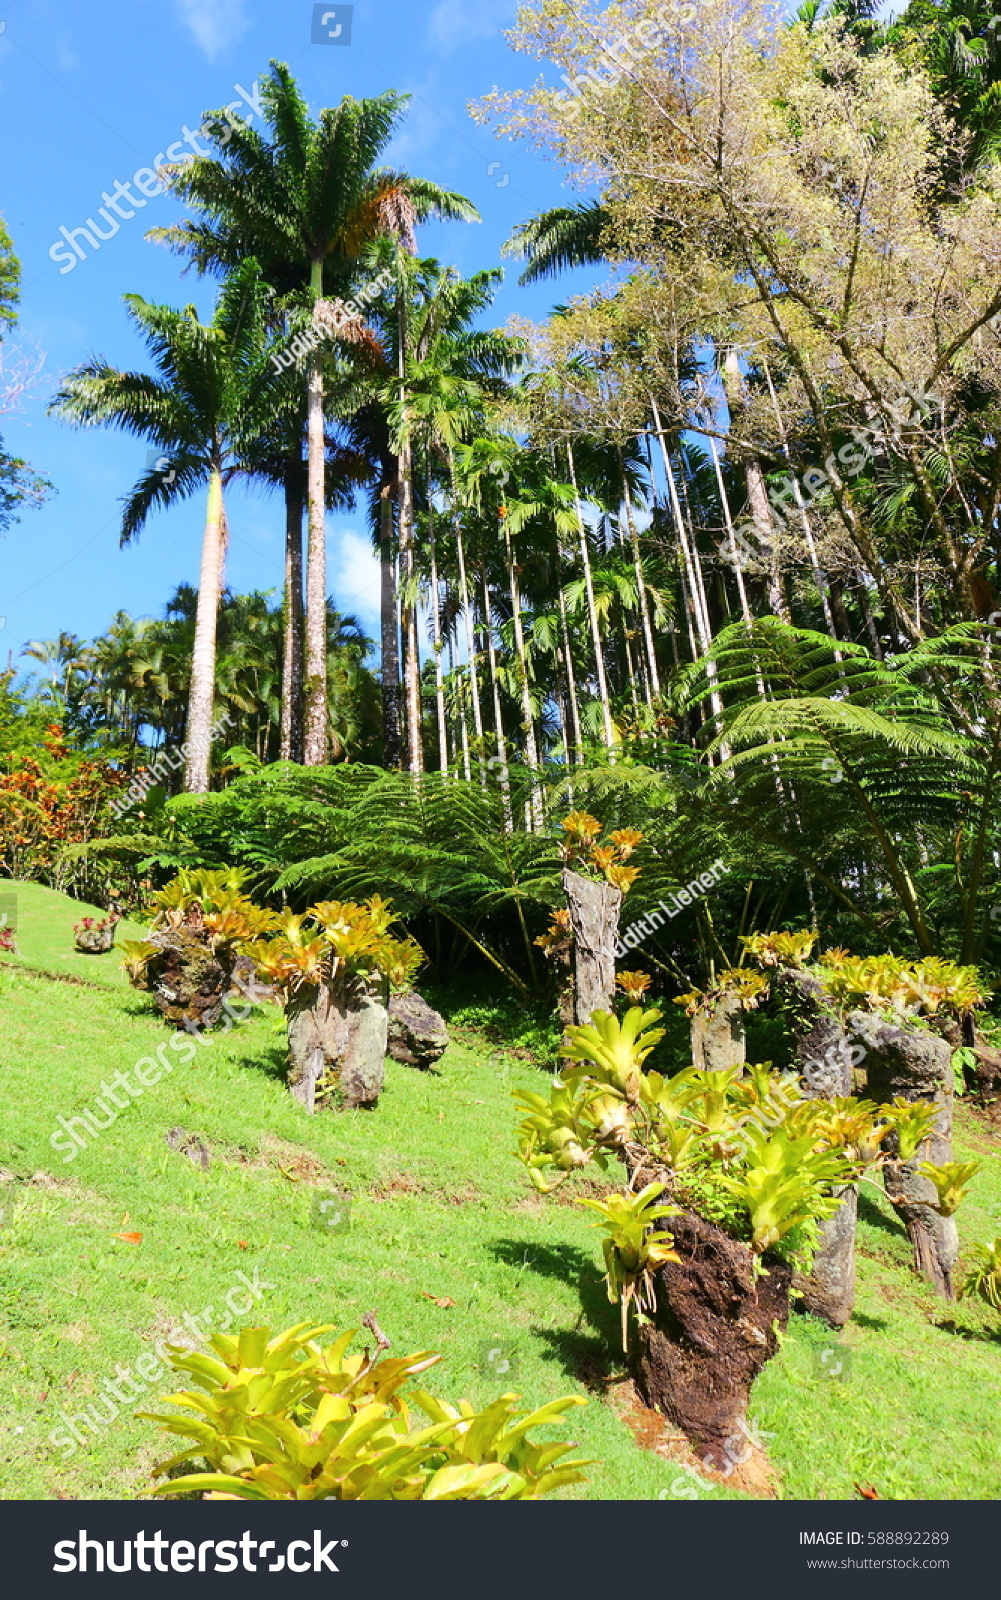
(188,981)
(825,1054)
(917,1065)
(712,1332)
(594,908)
(338,1030)
(718,1036)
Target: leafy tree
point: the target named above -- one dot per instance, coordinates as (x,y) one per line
(207,401)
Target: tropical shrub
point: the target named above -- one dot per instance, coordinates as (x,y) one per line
(283,1417)
(984,1276)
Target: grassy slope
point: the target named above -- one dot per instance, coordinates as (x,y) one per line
(440,1209)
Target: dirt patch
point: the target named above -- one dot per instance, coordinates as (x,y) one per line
(293,1162)
(408,1183)
(586,1189)
(399,1183)
(750,1472)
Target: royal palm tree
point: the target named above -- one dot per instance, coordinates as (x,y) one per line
(305,197)
(202,411)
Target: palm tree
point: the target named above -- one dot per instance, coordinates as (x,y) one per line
(445,374)
(306,199)
(201,411)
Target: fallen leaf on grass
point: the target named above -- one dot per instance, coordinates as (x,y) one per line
(130,1238)
(442,1301)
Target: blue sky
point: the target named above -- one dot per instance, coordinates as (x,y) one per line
(90,94)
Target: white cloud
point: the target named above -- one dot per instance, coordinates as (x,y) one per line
(214,23)
(453,23)
(353,580)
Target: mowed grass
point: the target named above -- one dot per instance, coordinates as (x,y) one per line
(440,1212)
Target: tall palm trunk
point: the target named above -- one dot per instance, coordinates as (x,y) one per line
(653,675)
(392,742)
(467,619)
(408,574)
(693,567)
(527,712)
(505,776)
(291,719)
(576,751)
(607,725)
(819,576)
(439,680)
(315,738)
(202,695)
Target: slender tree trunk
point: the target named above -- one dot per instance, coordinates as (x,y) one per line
(392,742)
(291,723)
(505,776)
(644,608)
(411,668)
(576,752)
(819,576)
(738,573)
(315,735)
(527,714)
(607,725)
(467,618)
(202,695)
(439,681)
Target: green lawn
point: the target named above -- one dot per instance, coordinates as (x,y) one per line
(440,1208)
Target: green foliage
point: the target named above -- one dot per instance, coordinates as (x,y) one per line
(951,1180)
(779,949)
(560,1131)
(750,1154)
(284,1418)
(138,954)
(613,1049)
(918,988)
(913,1121)
(786,1181)
(984,1277)
(632,1249)
(330,937)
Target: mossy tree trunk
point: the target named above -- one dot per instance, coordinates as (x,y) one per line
(825,1055)
(594,907)
(338,1037)
(917,1065)
(712,1331)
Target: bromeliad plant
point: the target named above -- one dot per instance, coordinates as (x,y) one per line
(632,1249)
(584,850)
(332,938)
(284,1417)
(885,984)
(984,1277)
(750,1154)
